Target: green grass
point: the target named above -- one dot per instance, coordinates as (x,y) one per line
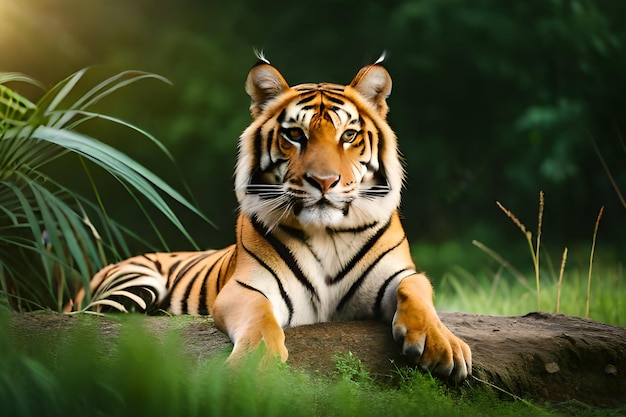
(498,293)
(582,282)
(466,279)
(138,374)
(479,284)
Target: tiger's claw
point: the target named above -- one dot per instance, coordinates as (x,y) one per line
(425,338)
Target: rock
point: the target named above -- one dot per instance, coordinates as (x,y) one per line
(543,357)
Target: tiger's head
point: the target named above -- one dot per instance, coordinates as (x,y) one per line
(318,156)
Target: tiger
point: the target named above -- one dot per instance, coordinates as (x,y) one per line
(319,238)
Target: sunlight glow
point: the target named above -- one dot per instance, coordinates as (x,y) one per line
(13,25)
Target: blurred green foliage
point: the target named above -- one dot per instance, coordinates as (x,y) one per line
(492,100)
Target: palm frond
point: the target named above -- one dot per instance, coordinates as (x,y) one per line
(48,239)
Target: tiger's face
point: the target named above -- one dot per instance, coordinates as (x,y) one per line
(318,156)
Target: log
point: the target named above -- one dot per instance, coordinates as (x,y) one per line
(539,356)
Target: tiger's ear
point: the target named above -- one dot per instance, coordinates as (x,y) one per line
(374,84)
(263,84)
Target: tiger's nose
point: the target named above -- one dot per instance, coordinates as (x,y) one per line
(322,182)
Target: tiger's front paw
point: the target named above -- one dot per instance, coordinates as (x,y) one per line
(425,338)
(433,346)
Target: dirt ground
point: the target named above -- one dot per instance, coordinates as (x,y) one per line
(543,357)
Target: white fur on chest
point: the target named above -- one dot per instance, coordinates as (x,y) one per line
(330,263)
(331,253)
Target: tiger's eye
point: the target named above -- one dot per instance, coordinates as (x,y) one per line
(293,134)
(349,136)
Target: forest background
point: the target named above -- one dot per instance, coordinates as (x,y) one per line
(492,101)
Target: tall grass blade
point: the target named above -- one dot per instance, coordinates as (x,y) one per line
(608,171)
(560,284)
(534,249)
(505,264)
(593,248)
(537,246)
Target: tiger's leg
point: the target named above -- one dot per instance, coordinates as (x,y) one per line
(246,315)
(424,336)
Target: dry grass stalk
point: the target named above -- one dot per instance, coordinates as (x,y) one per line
(505,264)
(512,217)
(534,249)
(538,244)
(593,248)
(608,171)
(558,293)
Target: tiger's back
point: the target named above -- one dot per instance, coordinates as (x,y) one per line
(177,282)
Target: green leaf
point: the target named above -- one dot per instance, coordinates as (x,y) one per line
(47,237)
(120,165)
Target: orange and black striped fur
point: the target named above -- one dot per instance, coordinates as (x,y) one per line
(318,180)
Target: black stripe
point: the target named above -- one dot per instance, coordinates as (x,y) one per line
(203,307)
(170,283)
(128,276)
(299,235)
(283,293)
(334,99)
(293,232)
(286,255)
(171,270)
(258,138)
(368,245)
(178,278)
(138,290)
(268,146)
(185,301)
(281,116)
(190,263)
(359,229)
(334,110)
(370,140)
(154,262)
(353,289)
(218,281)
(306,99)
(381,166)
(361,144)
(381,293)
(251,288)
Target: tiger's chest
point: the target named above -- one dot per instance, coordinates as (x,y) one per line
(330,276)
(330,258)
